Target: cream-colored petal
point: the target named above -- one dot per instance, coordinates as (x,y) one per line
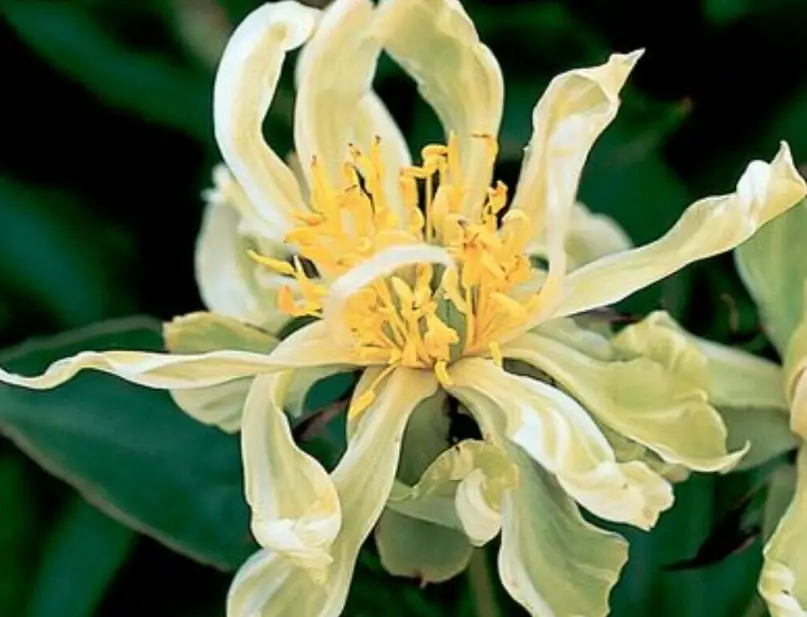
(552,561)
(733,378)
(576,107)
(795,370)
(560,435)
(783,582)
(334,73)
(272,584)
(436,43)
(639,398)
(773,266)
(228,279)
(592,236)
(373,120)
(421,550)
(245,85)
(295,507)
(202,331)
(708,227)
(307,347)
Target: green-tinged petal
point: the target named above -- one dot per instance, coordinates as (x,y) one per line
(733,378)
(271,584)
(639,398)
(310,346)
(418,549)
(229,281)
(552,561)
(795,369)
(333,74)
(202,331)
(592,236)
(783,582)
(585,340)
(245,84)
(295,507)
(781,489)
(766,429)
(425,438)
(708,227)
(465,87)
(560,435)
(773,266)
(575,109)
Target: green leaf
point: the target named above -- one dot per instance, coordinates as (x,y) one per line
(82,556)
(155,87)
(129,450)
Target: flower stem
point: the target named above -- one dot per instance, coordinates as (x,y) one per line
(481,584)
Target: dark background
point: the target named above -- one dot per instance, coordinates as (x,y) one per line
(106,144)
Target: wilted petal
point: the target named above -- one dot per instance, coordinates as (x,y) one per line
(464,87)
(552,561)
(560,435)
(576,107)
(708,227)
(419,549)
(245,85)
(783,582)
(773,266)
(639,398)
(334,73)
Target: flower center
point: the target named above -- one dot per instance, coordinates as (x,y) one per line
(424,316)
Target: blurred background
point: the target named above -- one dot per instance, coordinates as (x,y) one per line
(107,143)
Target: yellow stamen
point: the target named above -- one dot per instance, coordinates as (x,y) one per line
(360,403)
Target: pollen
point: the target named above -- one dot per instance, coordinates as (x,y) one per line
(424,316)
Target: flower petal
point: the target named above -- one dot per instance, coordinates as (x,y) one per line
(272,584)
(773,266)
(334,73)
(465,87)
(560,435)
(418,549)
(309,346)
(783,582)
(708,227)
(245,84)
(552,561)
(228,279)
(733,378)
(592,236)
(576,107)
(639,398)
(295,507)
(795,369)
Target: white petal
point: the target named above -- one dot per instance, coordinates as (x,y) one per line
(481,520)
(334,73)
(552,561)
(708,227)
(228,279)
(295,507)
(592,236)
(437,44)
(559,434)
(576,107)
(245,84)
(639,398)
(783,582)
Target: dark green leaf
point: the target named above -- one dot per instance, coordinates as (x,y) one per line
(130,450)
(82,556)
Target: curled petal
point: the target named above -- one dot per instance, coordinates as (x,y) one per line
(592,236)
(465,87)
(576,107)
(783,582)
(560,435)
(245,85)
(708,227)
(547,545)
(639,398)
